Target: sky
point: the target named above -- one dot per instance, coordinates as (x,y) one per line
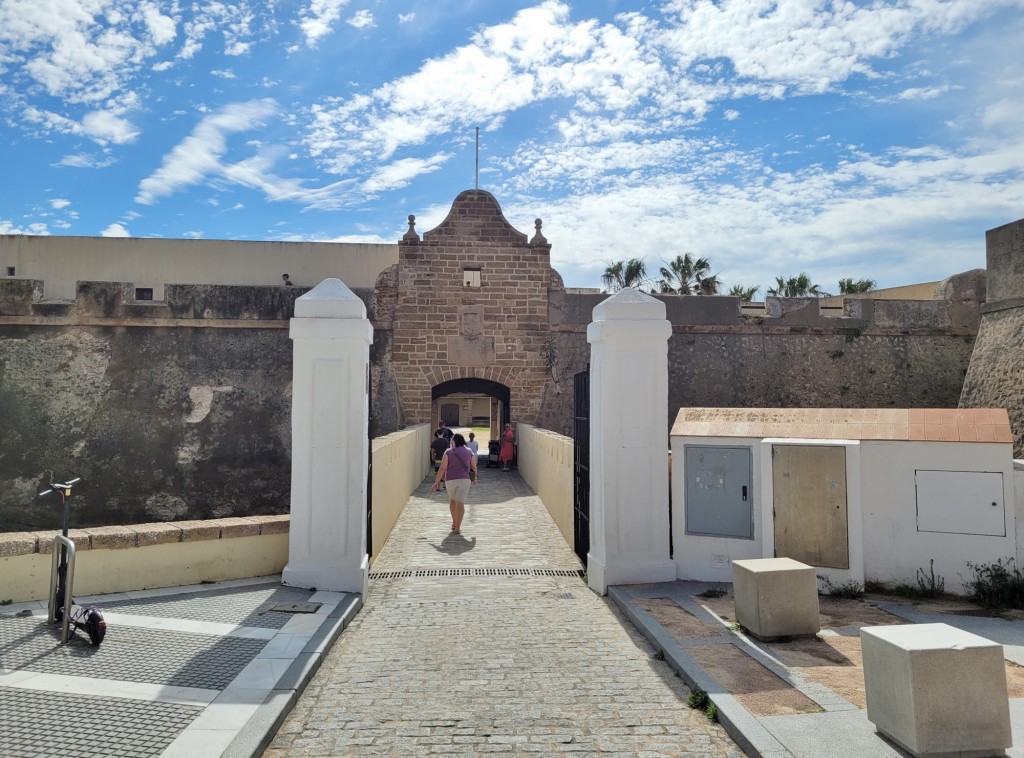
(869,139)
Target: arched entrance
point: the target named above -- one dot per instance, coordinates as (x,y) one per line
(467,402)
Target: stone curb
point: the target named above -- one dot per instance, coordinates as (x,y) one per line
(745,730)
(142,535)
(259,730)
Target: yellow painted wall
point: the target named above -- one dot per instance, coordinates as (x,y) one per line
(60,262)
(545,462)
(27,577)
(401,460)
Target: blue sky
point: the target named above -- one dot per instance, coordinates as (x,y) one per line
(864,139)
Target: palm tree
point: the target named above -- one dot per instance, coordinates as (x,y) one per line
(686,275)
(851,286)
(746,294)
(620,274)
(796,286)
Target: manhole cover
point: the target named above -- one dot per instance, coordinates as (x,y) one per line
(297,607)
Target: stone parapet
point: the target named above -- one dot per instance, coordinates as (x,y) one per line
(143,535)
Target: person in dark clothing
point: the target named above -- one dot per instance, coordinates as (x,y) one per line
(447,432)
(286,281)
(437,449)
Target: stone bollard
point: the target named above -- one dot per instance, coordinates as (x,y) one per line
(936,690)
(776,597)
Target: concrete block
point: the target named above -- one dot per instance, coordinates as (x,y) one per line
(157,534)
(272,524)
(776,597)
(937,691)
(111,537)
(193,531)
(238,527)
(18,543)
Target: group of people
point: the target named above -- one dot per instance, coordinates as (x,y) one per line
(455,464)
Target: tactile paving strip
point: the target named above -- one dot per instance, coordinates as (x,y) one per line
(37,724)
(240,605)
(129,654)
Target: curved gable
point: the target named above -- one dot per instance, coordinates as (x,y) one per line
(475,216)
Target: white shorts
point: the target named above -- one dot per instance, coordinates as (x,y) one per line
(458,489)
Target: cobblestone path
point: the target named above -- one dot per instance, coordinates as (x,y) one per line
(490,642)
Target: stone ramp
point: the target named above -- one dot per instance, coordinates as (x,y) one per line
(490,641)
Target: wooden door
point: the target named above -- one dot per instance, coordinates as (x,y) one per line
(809,504)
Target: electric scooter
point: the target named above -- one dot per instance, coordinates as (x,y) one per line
(62,606)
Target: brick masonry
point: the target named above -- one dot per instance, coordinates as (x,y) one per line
(443,330)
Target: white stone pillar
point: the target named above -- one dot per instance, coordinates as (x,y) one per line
(330,415)
(629,530)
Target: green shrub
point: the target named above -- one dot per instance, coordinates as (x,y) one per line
(931,586)
(996,585)
(698,699)
(850,590)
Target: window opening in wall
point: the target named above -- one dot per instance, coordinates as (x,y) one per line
(143,293)
(10,271)
(471,277)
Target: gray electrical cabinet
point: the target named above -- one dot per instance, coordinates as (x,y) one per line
(719,495)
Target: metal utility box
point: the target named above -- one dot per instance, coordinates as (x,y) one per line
(719,495)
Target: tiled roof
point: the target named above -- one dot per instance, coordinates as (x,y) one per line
(918,424)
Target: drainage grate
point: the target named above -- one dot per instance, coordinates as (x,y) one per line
(433,573)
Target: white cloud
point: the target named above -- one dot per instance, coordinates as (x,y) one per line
(361,20)
(115,230)
(83,160)
(199,155)
(9,227)
(401,172)
(405,18)
(317,19)
(731,114)
(105,127)
(224,73)
(59,203)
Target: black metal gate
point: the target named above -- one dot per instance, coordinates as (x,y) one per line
(369,465)
(581,464)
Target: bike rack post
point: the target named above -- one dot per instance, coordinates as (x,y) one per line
(68,545)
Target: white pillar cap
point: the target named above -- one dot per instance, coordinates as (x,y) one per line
(630,304)
(330,299)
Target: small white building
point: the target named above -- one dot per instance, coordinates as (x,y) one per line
(875,493)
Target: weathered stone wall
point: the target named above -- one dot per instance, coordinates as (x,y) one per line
(180,413)
(881,354)
(996,374)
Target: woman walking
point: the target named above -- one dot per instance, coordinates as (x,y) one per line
(458,471)
(507,452)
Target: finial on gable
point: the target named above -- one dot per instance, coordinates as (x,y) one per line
(538,238)
(411,235)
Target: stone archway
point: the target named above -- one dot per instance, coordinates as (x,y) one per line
(464,394)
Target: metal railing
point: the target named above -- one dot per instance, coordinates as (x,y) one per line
(68,546)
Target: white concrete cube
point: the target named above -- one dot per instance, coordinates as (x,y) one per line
(936,690)
(776,597)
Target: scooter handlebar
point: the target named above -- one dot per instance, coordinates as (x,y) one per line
(56,486)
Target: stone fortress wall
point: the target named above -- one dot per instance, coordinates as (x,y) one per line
(180,409)
(995,378)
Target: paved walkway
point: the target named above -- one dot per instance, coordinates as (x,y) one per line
(490,642)
(184,672)
(781,703)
